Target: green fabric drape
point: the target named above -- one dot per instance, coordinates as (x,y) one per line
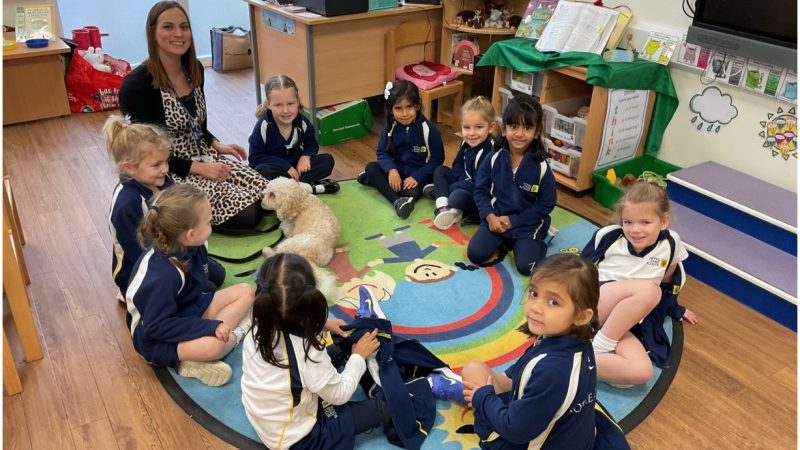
(521,55)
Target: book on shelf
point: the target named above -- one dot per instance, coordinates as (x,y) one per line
(623,19)
(535,18)
(578,27)
(659,47)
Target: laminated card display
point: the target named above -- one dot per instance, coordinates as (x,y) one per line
(578,27)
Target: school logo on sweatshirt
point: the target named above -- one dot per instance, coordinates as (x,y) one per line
(527,187)
(419,149)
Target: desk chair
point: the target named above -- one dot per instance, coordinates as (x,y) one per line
(401,41)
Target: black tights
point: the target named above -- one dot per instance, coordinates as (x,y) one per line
(369,414)
(246,219)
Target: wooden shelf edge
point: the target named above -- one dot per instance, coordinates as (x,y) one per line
(488,31)
(572,183)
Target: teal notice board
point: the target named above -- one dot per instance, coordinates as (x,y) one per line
(521,55)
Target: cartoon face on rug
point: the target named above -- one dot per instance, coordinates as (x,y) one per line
(310,227)
(428,271)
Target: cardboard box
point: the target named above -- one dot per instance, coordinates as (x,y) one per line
(350,120)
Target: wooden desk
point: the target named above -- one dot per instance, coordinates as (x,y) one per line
(332,59)
(33,82)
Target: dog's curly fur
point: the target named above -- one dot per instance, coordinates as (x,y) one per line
(309,226)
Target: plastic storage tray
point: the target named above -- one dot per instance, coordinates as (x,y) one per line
(565,159)
(561,121)
(607,194)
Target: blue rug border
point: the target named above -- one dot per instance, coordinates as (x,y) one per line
(238,440)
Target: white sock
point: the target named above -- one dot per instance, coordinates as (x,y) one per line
(307,187)
(441,202)
(319,189)
(603,344)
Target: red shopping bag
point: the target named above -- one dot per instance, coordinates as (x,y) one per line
(89,89)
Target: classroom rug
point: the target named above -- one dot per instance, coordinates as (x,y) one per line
(431,292)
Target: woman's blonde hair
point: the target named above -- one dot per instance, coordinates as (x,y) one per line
(124,140)
(188,59)
(170,213)
(277,82)
(643,192)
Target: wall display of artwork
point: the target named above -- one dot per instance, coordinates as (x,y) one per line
(780,133)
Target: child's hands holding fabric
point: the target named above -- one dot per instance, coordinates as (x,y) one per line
(335,326)
(367,344)
(409,183)
(394,180)
(470,388)
(223,332)
(304,164)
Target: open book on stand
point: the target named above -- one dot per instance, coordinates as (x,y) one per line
(578,27)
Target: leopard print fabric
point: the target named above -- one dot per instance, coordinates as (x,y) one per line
(242,188)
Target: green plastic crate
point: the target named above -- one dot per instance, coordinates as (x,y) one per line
(607,194)
(382,4)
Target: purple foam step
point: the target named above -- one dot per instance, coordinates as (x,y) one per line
(740,190)
(755,258)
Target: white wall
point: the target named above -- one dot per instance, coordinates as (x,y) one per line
(736,145)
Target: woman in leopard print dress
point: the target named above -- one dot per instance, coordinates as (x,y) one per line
(167,90)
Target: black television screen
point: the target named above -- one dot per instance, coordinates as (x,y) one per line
(764,30)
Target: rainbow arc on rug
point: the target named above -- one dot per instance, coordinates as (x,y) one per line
(430,292)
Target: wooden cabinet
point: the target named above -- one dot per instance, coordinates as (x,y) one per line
(486,36)
(569,82)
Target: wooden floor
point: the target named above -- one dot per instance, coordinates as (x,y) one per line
(736,386)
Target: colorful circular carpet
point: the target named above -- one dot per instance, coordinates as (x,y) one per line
(430,292)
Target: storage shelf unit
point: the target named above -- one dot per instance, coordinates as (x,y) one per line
(568,82)
(486,36)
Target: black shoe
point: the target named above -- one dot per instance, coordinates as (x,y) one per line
(362,179)
(329,186)
(428,192)
(403,206)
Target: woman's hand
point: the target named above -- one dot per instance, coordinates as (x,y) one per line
(367,344)
(409,183)
(304,164)
(335,326)
(394,180)
(690,316)
(230,149)
(223,333)
(294,174)
(212,171)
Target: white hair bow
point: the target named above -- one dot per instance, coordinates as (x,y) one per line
(389,87)
(126,120)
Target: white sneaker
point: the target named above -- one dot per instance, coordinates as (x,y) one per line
(447,218)
(212,373)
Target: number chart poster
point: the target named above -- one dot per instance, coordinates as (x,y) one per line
(624,124)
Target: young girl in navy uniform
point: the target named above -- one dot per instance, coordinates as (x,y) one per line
(284,143)
(177,317)
(453,188)
(410,148)
(547,399)
(515,190)
(141,154)
(293,395)
(633,257)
